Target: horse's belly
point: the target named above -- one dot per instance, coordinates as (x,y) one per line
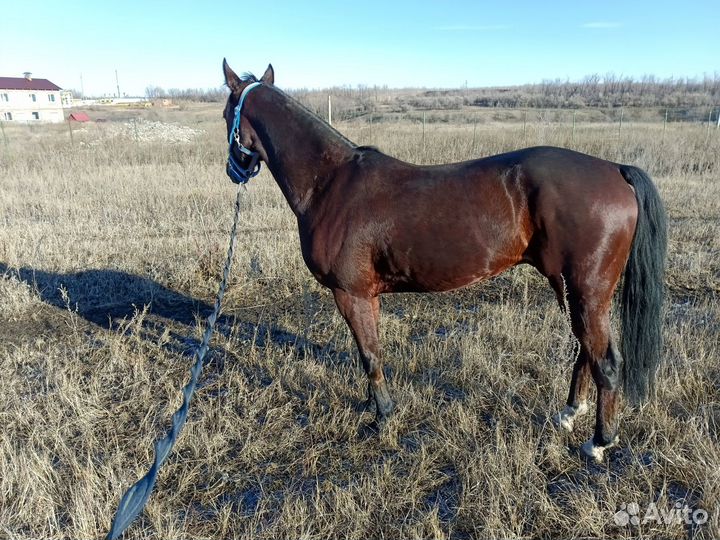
(446,266)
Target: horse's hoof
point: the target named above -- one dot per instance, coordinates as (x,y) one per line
(383,415)
(383,402)
(596,452)
(365,406)
(565,419)
(374,428)
(385,410)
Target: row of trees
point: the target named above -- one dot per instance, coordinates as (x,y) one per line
(187,94)
(594,90)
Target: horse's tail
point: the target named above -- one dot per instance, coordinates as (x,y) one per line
(642,296)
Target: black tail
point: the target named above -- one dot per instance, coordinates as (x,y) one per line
(642,296)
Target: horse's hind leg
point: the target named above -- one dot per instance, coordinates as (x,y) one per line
(580,383)
(577,399)
(362,315)
(590,315)
(606,374)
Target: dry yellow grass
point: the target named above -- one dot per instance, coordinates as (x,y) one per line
(110,254)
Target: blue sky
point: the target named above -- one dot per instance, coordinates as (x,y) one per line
(180,44)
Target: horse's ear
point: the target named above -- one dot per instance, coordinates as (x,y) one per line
(269,75)
(231,79)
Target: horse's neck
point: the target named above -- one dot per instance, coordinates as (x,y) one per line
(302,152)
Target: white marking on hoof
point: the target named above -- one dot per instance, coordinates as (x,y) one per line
(566,418)
(590,450)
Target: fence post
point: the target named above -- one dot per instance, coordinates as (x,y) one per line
(72,140)
(709,120)
(665,124)
(472,148)
(329,109)
(423,136)
(622,113)
(573,131)
(718,120)
(2,128)
(524,125)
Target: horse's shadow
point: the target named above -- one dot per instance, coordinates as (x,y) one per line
(107,297)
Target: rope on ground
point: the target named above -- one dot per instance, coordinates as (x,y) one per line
(135,498)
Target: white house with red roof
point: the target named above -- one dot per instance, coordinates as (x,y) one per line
(25,99)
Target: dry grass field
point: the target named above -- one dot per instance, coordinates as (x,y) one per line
(110,255)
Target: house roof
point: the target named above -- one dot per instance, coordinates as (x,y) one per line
(21,83)
(79,117)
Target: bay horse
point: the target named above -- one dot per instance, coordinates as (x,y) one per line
(371,224)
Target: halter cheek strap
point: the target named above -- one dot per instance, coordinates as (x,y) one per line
(236,171)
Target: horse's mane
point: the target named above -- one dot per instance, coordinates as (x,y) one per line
(314,117)
(247,76)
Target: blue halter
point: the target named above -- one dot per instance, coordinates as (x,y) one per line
(238,172)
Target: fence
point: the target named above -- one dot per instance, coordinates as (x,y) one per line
(709,116)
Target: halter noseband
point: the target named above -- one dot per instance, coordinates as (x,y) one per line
(238,172)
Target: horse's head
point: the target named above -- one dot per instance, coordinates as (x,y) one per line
(245,147)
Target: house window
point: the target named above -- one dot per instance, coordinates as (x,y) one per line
(51,97)
(36,116)
(7,116)
(4,97)
(33,97)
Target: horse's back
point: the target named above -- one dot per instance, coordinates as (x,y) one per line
(549,167)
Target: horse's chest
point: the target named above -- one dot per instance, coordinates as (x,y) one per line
(339,255)
(315,253)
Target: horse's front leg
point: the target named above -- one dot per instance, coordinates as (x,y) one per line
(362,315)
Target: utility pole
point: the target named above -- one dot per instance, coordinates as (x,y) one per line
(82,87)
(117,83)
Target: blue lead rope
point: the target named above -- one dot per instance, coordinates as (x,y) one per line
(135,498)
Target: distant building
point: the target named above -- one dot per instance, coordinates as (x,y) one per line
(24,99)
